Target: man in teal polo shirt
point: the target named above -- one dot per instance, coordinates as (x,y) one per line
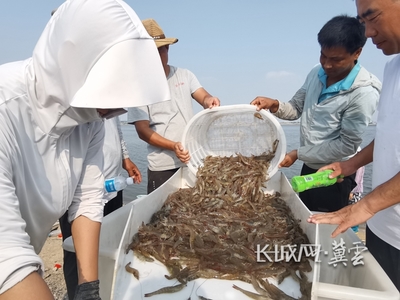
(336,104)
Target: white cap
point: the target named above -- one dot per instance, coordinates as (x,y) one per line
(129,181)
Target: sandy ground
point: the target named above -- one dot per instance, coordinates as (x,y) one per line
(51,255)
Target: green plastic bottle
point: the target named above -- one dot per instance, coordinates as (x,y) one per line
(310,181)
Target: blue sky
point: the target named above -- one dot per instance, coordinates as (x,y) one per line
(237,49)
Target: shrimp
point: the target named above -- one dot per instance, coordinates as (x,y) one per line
(167,290)
(131,270)
(143,257)
(258,115)
(274,291)
(214,228)
(251,294)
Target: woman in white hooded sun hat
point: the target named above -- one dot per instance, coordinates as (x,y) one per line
(93,59)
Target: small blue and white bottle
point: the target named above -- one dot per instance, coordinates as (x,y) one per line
(117,183)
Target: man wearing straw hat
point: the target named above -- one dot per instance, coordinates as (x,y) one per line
(161,126)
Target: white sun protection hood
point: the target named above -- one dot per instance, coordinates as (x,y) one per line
(112,81)
(97,54)
(51,157)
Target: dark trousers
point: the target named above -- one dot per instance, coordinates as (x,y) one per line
(156,178)
(330,198)
(70,264)
(386,255)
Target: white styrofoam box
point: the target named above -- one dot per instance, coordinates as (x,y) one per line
(232,129)
(359,279)
(125,286)
(362,282)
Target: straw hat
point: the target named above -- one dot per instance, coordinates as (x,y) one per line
(157,33)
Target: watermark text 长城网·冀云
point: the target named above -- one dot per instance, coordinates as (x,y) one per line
(287,253)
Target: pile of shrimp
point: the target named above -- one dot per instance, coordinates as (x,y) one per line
(214,229)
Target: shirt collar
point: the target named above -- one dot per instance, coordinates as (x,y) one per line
(343,84)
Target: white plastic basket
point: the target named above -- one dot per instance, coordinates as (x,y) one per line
(233,129)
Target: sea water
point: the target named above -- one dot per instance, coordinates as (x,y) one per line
(138,152)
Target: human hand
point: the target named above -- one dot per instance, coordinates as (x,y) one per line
(88,291)
(346,217)
(266,103)
(132,170)
(181,153)
(340,170)
(289,159)
(211,102)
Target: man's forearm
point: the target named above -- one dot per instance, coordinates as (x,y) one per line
(151,137)
(158,141)
(384,195)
